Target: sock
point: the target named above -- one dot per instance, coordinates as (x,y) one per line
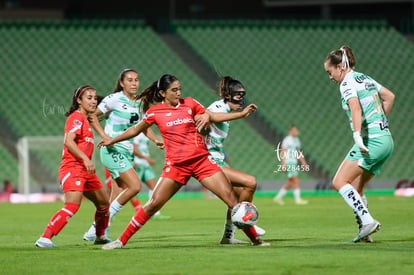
(136,204)
(229,229)
(364,200)
(114,208)
(281,193)
(296,194)
(60,219)
(101,220)
(137,221)
(251,233)
(353,199)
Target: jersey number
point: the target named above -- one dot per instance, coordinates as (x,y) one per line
(134,118)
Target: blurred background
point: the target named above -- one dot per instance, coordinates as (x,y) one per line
(275,47)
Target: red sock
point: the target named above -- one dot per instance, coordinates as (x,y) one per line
(136,204)
(101,220)
(137,221)
(60,219)
(251,233)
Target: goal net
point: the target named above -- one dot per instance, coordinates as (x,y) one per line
(39,160)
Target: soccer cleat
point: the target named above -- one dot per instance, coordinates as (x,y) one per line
(160,217)
(45,243)
(367,230)
(260,242)
(90,235)
(367,239)
(260,231)
(102,240)
(113,245)
(278,201)
(225,240)
(301,202)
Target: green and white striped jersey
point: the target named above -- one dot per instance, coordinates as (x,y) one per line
(124,113)
(142,141)
(218,131)
(366,89)
(292,146)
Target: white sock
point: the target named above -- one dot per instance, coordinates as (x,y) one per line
(114,208)
(364,201)
(281,193)
(229,229)
(354,200)
(296,194)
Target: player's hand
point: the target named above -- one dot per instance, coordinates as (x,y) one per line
(202,121)
(359,142)
(159,143)
(106,141)
(90,167)
(251,108)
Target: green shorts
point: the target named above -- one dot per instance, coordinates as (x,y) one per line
(380,149)
(291,169)
(116,161)
(145,173)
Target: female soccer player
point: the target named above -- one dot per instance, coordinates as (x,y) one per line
(123,112)
(289,155)
(367,104)
(186,154)
(232,94)
(77,172)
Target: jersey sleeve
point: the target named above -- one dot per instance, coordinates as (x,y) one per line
(348,91)
(107,104)
(377,85)
(196,106)
(285,143)
(149,116)
(74,124)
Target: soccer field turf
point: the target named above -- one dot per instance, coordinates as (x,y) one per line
(310,239)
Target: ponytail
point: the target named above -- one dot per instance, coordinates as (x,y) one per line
(152,95)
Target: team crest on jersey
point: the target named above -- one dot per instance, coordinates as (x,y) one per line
(190,111)
(77,123)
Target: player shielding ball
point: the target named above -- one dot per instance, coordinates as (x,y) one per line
(367,104)
(185,152)
(77,172)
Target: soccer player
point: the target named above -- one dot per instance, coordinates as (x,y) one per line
(77,172)
(232,93)
(289,156)
(124,111)
(179,120)
(367,104)
(143,166)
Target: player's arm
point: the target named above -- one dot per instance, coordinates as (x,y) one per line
(150,134)
(356,116)
(387,98)
(69,142)
(220,117)
(128,134)
(94,122)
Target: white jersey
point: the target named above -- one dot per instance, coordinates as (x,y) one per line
(218,131)
(142,141)
(124,113)
(292,146)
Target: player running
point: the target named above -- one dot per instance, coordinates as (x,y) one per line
(124,111)
(186,154)
(232,93)
(367,104)
(77,172)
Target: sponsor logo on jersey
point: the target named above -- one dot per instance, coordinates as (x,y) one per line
(77,123)
(180,121)
(360,78)
(148,115)
(89,139)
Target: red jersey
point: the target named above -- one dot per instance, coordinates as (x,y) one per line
(178,129)
(77,123)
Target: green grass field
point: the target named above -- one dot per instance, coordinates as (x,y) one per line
(308,239)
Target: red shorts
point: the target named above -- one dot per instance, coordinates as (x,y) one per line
(108,178)
(199,168)
(77,179)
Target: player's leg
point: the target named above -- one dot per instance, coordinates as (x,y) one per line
(282,192)
(60,219)
(346,174)
(163,191)
(296,191)
(244,186)
(100,199)
(221,187)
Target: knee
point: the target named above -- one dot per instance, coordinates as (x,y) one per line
(152,206)
(251,183)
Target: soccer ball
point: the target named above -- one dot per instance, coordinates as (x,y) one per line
(244,215)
